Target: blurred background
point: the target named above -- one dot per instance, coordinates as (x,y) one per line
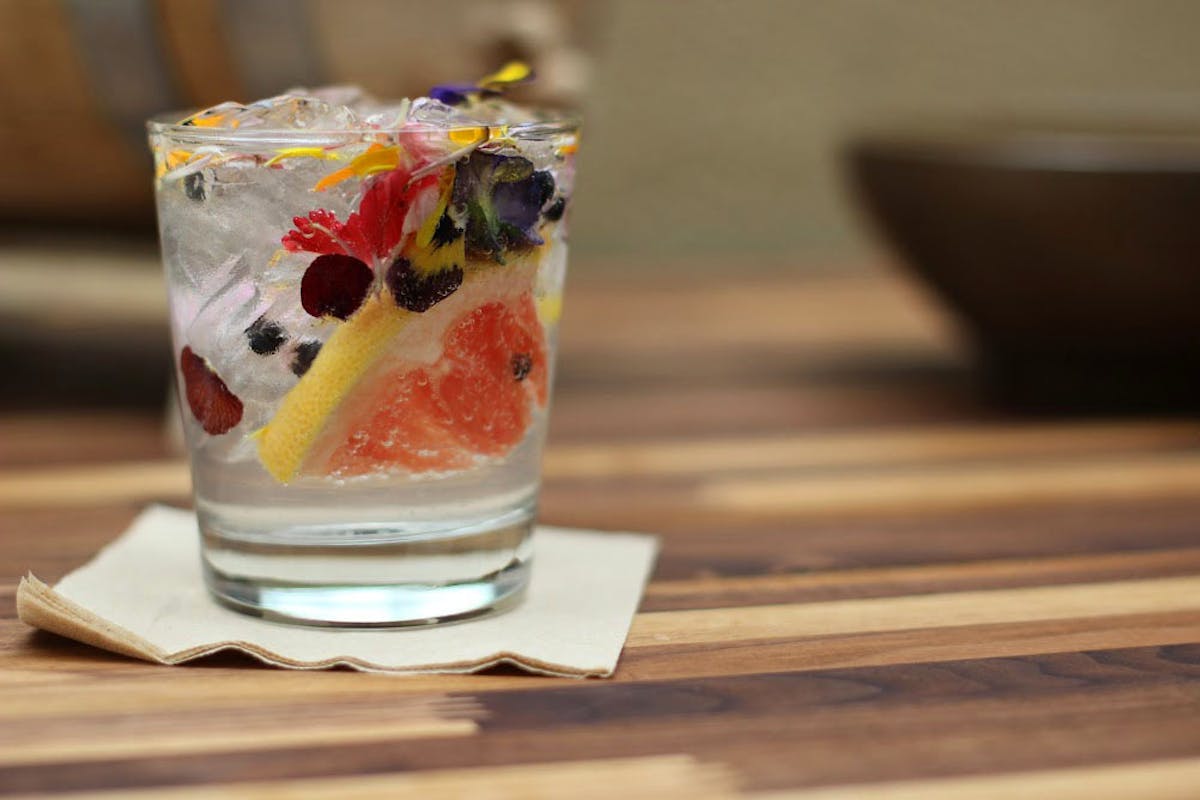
(716,136)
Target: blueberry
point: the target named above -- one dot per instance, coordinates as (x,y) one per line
(554,212)
(305,353)
(266,337)
(193,186)
(418,292)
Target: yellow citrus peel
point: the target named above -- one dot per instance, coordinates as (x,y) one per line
(304,411)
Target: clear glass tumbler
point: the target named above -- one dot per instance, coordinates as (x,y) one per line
(364,326)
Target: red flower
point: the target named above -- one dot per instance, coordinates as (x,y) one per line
(372,233)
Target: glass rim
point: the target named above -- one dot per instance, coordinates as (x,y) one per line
(558,123)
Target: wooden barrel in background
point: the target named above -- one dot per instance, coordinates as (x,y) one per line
(78,78)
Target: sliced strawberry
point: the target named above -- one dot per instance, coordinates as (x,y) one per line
(217,409)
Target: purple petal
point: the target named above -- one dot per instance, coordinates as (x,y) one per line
(453,94)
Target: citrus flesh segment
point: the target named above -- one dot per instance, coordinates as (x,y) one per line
(387,360)
(408,430)
(285,441)
(471,402)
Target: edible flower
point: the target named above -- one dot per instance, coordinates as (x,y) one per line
(302,152)
(501,198)
(371,233)
(377,158)
(223,115)
(511,74)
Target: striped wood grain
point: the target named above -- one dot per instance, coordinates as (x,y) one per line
(1154,780)
(870,582)
(873,484)
(601,779)
(86,736)
(963,486)
(926,612)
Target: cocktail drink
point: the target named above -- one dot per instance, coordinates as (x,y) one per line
(364,299)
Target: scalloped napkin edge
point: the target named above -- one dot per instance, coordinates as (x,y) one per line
(143,596)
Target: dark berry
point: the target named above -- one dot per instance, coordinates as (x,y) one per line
(335,286)
(521,364)
(217,409)
(554,212)
(420,292)
(266,337)
(305,353)
(193,186)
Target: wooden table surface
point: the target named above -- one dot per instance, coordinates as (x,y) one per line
(871,585)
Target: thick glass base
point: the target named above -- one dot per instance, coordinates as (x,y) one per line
(370,576)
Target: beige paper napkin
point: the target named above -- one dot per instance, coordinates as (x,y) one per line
(143,596)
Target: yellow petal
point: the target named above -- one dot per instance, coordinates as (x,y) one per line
(382,160)
(301,152)
(208,121)
(510,73)
(176,158)
(377,158)
(466,136)
(429,226)
(334,178)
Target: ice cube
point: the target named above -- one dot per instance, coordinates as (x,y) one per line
(427,111)
(325,109)
(345,95)
(385,116)
(297,111)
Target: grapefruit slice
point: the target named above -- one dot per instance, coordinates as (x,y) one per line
(396,390)
(476,400)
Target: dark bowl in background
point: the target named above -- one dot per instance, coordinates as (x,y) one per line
(1072,259)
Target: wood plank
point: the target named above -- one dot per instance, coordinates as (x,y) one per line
(132,482)
(749,590)
(844,584)
(629,402)
(918,722)
(847,692)
(870,582)
(873,449)
(949,610)
(1027,446)
(50,542)
(81,736)
(827,313)
(964,486)
(659,660)
(922,646)
(668,775)
(38,440)
(1174,779)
